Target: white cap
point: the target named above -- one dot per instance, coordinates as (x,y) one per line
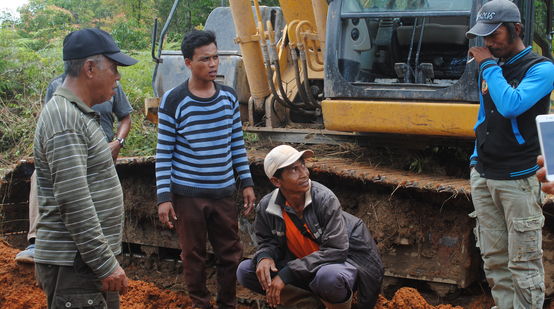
(283,156)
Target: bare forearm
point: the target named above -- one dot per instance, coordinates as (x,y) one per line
(124,127)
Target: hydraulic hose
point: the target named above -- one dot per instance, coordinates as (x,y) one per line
(295,64)
(311,99)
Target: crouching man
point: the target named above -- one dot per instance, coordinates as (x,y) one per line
(306,245)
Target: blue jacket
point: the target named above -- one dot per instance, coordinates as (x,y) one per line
(511,95)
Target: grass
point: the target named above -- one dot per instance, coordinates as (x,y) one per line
(136,81)
(26,77)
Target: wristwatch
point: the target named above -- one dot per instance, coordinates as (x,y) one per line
(121,141)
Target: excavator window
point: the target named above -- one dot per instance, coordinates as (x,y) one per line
(414,49)
(408,5)
(408,41)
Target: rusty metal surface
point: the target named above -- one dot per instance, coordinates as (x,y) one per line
(380,175)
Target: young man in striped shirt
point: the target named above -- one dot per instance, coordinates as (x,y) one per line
(199,154)
(80,226)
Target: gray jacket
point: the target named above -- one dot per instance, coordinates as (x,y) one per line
(341,237)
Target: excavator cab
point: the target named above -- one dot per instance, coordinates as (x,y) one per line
(410,42)
(404,65)
(410,49)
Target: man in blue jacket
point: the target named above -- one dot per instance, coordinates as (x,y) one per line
(515,86)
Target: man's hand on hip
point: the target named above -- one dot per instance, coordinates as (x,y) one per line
(167,214)
(263,272)
(249,198)
(116,281)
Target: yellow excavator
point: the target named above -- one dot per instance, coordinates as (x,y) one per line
(383,73)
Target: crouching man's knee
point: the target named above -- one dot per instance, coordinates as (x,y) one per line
(334,283)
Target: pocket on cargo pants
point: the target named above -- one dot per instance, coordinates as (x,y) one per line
(532,290)
(526,249)
(525,240)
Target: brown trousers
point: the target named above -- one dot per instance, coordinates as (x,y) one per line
(216,219)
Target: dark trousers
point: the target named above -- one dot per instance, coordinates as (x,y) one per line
(332,282)
(216,219)
(74,287)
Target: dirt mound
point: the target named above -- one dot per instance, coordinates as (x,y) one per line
(144,295)
(408,298)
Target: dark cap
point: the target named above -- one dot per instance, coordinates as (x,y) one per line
(92,41)
(492,15)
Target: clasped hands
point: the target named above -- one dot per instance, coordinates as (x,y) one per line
(272,287)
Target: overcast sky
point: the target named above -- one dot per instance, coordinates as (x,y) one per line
(11,5)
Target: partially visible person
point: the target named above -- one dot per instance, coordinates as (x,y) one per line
(80,226)
(306,244)
(200,156)
(546,186)
(514,86)
(119,106)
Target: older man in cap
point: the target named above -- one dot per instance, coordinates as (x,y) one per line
(306,244)
(80,198)
(514,85)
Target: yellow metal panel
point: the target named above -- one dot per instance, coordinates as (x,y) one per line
(250,48)
(297,9)
(320,12)
(420,118)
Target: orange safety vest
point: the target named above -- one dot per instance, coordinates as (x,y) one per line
(297,243)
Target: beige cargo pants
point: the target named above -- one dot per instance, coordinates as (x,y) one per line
(508,232)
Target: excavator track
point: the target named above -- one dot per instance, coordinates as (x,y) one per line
(381,175)
(419,221)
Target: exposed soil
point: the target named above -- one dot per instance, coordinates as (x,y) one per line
(19,291)
(408,298)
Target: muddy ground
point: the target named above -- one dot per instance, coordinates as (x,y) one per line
(163,288)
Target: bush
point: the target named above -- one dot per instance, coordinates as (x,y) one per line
(23,70)
(130,35)
(136,82)
(24,76)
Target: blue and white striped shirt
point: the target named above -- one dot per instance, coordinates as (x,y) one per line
(200,146)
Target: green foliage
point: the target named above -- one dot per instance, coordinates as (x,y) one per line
(24,70)
(130,35)
(189,14)
(136,81)
(142,139)
(540,20)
